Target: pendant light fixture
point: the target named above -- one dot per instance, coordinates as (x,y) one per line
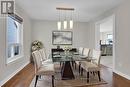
(71,24)
(66,22)
(59,21)
(71,21)
(59,25)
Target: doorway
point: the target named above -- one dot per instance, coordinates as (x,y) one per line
(104,40)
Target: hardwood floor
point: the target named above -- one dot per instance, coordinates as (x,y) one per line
(25,76)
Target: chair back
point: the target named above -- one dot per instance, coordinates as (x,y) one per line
(43,54)
(37,59)
(80,50)
(96,55)
(86,52)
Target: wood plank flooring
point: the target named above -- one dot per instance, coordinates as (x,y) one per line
(25,76)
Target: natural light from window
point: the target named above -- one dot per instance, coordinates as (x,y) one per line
(14,39)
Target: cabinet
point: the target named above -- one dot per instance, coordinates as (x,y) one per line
(107,49)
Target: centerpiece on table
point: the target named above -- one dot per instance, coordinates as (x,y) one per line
(67,50)
(36,45)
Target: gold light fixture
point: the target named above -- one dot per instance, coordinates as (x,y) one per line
(65,21)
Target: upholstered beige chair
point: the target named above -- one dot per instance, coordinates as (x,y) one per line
(43,54)
(44,57)
(42,68)
(80,50)
(85,53)
(94,66)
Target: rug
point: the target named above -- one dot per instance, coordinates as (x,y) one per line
(45,81)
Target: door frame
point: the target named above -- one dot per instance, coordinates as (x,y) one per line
(97,34)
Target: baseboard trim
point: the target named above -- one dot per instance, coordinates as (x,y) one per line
(122,74)
(13,74)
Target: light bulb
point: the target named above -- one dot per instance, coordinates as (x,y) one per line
(59,25)
(65,24)
(71,24)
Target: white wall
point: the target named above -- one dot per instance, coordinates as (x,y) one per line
(8,70)
(122,41)
(42,30)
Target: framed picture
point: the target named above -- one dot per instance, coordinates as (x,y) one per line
(62,38)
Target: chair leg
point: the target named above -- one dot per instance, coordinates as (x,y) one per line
(79,68)
(72,64)
(52,80)
(81,71)
(87,77)
(36,80)
(99,76)
(62,67)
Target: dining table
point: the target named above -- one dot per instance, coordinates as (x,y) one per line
(66,59)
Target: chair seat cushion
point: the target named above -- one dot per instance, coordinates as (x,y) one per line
(89,66)
(47,61)
(46,69)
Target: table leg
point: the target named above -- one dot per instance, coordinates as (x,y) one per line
(67,72)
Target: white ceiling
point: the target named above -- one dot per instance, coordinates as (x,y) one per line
(85,10)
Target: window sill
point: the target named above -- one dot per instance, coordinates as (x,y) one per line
(9,61)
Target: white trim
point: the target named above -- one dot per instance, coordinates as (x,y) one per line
(13,74)
(97,35)
(114,40)
(113,16)
(21,43)
(14,59)
(122,74)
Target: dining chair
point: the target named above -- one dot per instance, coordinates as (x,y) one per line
(80,52)
(42,68)
(94,66)
(44,57)
(43,54)
(85,53)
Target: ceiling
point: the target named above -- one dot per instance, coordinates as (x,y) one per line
(85,10)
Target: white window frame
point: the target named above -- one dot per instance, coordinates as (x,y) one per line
(108,35)
(12,59)
(109,38)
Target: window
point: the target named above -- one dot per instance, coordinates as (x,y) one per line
(14,37)
(110,38)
